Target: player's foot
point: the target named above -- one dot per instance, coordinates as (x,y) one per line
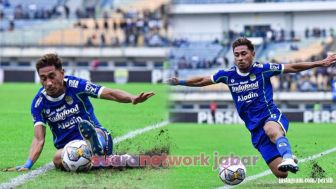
(90,136)
(288,164)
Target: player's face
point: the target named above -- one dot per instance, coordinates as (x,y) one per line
(52,80)
(243,57)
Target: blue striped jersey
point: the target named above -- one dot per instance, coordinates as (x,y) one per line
(62,114)
(252,92)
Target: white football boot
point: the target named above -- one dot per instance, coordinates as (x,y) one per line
(289,164)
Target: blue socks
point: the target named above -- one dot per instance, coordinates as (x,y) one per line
(284,147)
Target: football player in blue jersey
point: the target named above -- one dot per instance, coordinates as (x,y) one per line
(63,104)
(252,93)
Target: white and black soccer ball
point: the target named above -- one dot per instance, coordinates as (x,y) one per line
(232,171)
(76,156)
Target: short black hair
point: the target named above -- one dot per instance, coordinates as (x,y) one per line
(50,59)
(243,41)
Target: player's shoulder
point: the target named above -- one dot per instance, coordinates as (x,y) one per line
(227,71)
(231,69)
(258,65)
(74,82)
(38,99)
(222,73)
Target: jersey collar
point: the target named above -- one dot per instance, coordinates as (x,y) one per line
(241,73)
(52,99)
(244,74)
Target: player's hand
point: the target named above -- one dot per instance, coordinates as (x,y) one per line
(173,81)
(331,59)
(142,97)
(20,168)
(29,163)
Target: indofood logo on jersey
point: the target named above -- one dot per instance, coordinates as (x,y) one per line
(63,114)
(245,87)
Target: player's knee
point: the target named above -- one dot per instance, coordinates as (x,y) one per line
(58,163)
(272,133)
(57,160)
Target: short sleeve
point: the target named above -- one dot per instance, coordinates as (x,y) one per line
(272,69)
(220,77)
(89,88)
(37,111)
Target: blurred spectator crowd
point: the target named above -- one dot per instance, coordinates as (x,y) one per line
(21,10)
(317,79)
(138,28)
(12,11)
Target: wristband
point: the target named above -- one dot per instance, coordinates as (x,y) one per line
(182,82)
(29,163)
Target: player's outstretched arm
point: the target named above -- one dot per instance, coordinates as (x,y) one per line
(124,97)
(192,82)
(297,67)
(35,149)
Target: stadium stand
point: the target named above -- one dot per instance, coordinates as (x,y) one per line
(140,23)
(30,32)
(196,55)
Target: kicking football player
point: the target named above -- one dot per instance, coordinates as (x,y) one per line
(63,104)
(252,93)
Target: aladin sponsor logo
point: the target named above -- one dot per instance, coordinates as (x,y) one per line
(247,97)
(69,124)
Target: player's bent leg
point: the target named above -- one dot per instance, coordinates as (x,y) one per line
(276,134)
(273,165)
(57,160)
(90,136)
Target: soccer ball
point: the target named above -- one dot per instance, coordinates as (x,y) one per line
(232,171)
(76,156)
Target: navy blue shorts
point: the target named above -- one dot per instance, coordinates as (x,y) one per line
(265,146)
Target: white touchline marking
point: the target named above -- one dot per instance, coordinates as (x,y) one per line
(21,179)
(265,173)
